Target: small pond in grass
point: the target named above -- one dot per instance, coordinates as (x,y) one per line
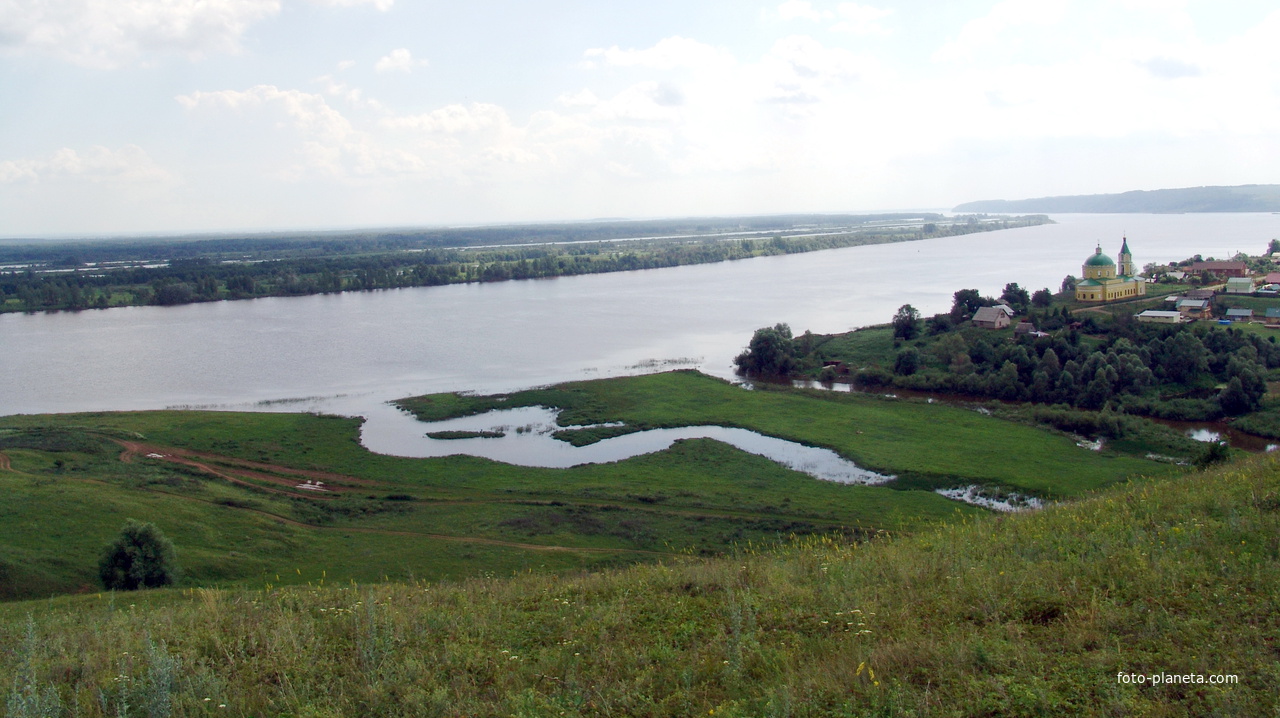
(526,440)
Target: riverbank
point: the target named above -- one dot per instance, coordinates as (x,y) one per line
(104,274)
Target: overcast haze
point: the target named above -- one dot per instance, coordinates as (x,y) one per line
(195,115)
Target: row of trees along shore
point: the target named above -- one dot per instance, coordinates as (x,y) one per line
(1184,372)
(222,272)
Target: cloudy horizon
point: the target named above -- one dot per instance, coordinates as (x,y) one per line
(192,116)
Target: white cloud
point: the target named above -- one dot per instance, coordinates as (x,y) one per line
(804,120)
(109,33)
(307,111)
(129,163)
(383,5)
(668,54)
(802,10)
(984,32)
(860,19)
(454,119)
(399,60)
(799,69)
(583,98)
(852,17)
(354,96)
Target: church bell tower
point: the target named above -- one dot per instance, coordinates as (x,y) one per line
(1125,269)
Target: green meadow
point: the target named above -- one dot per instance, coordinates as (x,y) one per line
(233,509)
(1026,615)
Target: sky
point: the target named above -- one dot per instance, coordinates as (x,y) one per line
(186,116)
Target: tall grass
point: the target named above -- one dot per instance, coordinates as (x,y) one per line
(1022,615)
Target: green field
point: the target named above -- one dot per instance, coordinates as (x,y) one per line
(1029,615)
(237,518)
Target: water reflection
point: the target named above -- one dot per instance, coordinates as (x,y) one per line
(1205,435)
(527,441)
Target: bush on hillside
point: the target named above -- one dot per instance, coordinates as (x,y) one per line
(140,557)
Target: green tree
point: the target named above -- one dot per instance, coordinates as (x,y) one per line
(1015,296)
(1068,284)
(140,557)
(907,362)
(906,322)
(770,353)
(964,303)
(1042,298)
(1184,357)
(1004,384)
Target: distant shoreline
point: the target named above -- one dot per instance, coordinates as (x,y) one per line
(75,276)
(1242,198)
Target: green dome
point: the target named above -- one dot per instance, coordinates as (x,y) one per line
(1099,260)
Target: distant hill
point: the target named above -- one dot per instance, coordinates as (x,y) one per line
(1244,198)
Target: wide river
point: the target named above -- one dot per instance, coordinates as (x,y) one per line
(348,353)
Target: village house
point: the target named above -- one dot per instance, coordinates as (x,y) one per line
(1240,285)
(1273,316)
(1195,308)
(1025,327)
(1160,316)
(1220,268)
(991,318)
(1240,314)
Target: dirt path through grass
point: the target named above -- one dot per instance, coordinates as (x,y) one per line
(327,484)
(134,449)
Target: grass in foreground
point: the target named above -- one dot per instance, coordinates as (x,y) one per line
(1020,616)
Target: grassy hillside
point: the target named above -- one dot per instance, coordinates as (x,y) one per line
(224,487)
(1033,614)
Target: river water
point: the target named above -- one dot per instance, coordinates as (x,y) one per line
(527,440)
(349,352)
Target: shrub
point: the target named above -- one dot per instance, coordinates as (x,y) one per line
(140,557)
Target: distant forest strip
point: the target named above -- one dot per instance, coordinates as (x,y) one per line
(1243,198)
(106,274)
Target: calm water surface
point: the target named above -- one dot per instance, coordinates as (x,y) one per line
(527,441)
(347,353)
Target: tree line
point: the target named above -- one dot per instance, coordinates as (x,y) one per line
(1185,372)
(201,279)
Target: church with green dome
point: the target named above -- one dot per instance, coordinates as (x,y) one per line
(1104,281)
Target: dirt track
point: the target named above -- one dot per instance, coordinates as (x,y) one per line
(332,486)
(247,473)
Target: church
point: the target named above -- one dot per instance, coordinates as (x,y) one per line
(1103,281)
